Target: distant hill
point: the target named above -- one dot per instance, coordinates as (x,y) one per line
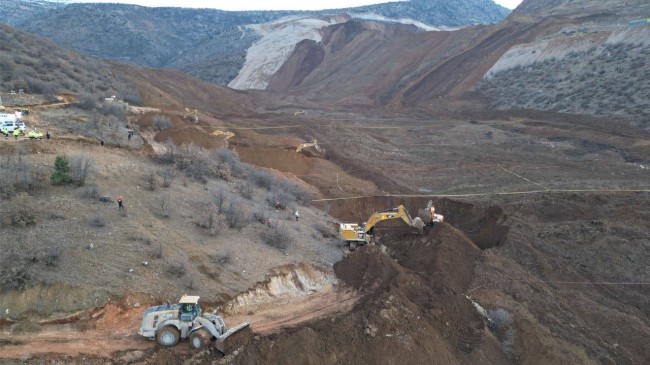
(13,12)
(40,67)
(609,12)
(208,44)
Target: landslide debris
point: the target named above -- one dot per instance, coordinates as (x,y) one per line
(412,311)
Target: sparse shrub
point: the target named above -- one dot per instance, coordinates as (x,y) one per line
(80,166)
(16,175)
(235,214)
(207,217)
(90,191)
(323,230)
(97,221)
(276,236)
(261,214)
(177,269)
(52,255)
(60,175)
(218,199)
(164,204)
(22,210)
(132,98)
(159,251)
(167,174)
(151,181)
(221,259)
(246,189)
(87,102)
(116,109)
(262,178)
(167,156)
(14,274)
(160,122)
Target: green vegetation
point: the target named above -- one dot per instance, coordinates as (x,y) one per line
(60,175)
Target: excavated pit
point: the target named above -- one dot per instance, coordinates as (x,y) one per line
(485,225)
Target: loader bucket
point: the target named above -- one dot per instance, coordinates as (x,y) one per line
(234,338)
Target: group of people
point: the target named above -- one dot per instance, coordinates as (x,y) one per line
(33,134)
(5,132)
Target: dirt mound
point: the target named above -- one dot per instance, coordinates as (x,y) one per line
(191,134)
(412,311)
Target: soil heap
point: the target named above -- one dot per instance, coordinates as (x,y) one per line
(413,310)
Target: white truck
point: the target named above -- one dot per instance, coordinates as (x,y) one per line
(7,117)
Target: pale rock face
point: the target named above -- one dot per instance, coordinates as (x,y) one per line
(278,39)
(268,54)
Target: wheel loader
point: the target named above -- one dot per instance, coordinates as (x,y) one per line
(170,323)
(359,234)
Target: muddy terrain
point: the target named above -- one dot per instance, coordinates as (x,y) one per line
(541,257)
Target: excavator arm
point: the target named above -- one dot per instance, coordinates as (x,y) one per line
(395,213)
(355,233)
(313,143)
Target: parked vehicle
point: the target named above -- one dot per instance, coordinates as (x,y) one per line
(10,126)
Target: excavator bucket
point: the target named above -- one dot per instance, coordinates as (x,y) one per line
(234,338)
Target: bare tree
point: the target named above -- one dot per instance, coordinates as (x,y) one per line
(81,166)
(164,204)
(168,174)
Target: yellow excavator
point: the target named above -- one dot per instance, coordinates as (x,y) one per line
(313,143)
(359,234)
(226,135)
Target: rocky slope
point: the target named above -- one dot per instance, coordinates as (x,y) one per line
(208,44)
(604,12)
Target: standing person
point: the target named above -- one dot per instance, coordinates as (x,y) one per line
(120,206)
(297,215)
(16,133)
(47,135)
(130,134)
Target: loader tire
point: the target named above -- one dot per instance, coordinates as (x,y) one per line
(168,336)
(199,339)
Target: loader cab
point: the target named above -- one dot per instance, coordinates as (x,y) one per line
(189,308)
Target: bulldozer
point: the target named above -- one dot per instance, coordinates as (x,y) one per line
(170,323)
(359,234)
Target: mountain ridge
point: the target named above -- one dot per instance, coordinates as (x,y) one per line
(189,39)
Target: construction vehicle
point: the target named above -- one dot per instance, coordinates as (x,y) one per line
(320,151)
(431,214)
(191,115)
(227,135)
(170,323)
(313,143)
(359,234)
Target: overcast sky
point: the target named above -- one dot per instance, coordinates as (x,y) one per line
(263,4)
